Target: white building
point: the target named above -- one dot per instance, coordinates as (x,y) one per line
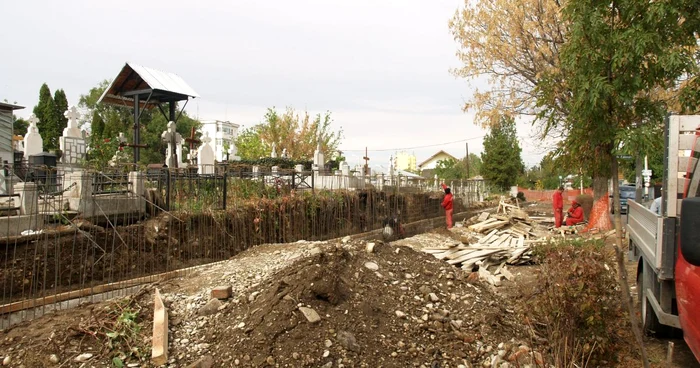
(222,134)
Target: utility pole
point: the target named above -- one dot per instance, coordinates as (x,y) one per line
(467,144)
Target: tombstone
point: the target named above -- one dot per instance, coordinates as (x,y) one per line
(206,157)
(33,143)
(121,140)
(273,154)
(345,169)
(72,143)
(233,153)
(319,160)
(173,139)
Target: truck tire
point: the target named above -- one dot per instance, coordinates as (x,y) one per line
(650,322)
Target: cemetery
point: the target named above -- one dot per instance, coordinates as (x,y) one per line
(98,229)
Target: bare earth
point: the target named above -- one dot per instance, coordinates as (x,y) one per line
(394,307)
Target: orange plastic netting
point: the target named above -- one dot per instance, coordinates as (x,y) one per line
(600,215)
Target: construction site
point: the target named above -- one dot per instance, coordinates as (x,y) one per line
(302,280)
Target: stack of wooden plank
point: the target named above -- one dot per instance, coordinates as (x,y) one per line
(496,241)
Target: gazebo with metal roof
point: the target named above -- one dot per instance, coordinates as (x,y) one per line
(146,88)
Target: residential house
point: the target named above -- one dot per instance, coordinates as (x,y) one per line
(405,161)
(6,131)
(222,134)
(427,167)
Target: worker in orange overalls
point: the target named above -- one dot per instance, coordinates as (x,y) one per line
(447,205)
(575,214)
(558,206)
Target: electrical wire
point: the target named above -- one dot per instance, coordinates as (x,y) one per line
(409,148)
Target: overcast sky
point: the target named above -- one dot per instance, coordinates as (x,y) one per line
(380,66)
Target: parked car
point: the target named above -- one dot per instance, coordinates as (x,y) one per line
(626,192)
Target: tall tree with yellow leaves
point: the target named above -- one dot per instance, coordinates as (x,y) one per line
(508,44)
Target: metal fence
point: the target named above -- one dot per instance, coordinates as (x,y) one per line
(85,247)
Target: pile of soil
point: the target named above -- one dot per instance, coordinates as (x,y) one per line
(393,307)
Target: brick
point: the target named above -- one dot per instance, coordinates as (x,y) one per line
(221,292)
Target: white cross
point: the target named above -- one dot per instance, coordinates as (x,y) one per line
(206,138)
(33,121)
(121,138)
(72,115)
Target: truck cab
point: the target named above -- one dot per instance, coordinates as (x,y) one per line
(667,245)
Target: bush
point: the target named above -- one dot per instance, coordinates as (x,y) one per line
(521,196)
(577,304)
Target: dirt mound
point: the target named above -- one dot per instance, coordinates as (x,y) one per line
(393,308)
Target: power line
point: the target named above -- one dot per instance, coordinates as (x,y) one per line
(415,147)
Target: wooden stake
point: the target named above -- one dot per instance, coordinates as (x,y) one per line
(159,347)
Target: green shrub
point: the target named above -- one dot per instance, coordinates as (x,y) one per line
(577,304)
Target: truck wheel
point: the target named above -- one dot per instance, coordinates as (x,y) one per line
(650,322)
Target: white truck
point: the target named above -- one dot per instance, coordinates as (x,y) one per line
(667,246)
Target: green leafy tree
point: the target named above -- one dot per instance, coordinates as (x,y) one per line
(474,165)
(298,133)
(501,159)
(61,121)
(249,144)
(45,111)
(450,169)
(617,55)
(20,126)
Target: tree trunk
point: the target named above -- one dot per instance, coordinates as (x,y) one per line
(622,271)
(599,218)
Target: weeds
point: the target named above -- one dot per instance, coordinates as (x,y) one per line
(577,305)
(118,327)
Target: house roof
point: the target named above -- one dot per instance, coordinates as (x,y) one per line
(435,155)
(9,107)
(138,80)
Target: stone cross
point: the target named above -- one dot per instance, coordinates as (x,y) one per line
(173,139)
(72,143)
(33,143)
(318,158)
(206,157)
(72,130)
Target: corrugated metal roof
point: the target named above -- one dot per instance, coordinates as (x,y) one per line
(163,81)
(6,106)
(133,77)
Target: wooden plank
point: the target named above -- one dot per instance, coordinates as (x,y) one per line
(488,238)
(517,253)
(477,227)
(495,225)
(446,253)
(159,347)
(483,216)
(499,242)
(507,274)
(521,242)
(460,253)
(477,255)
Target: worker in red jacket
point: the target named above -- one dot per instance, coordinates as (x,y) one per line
(558,206)
(575,214)
(447,205)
